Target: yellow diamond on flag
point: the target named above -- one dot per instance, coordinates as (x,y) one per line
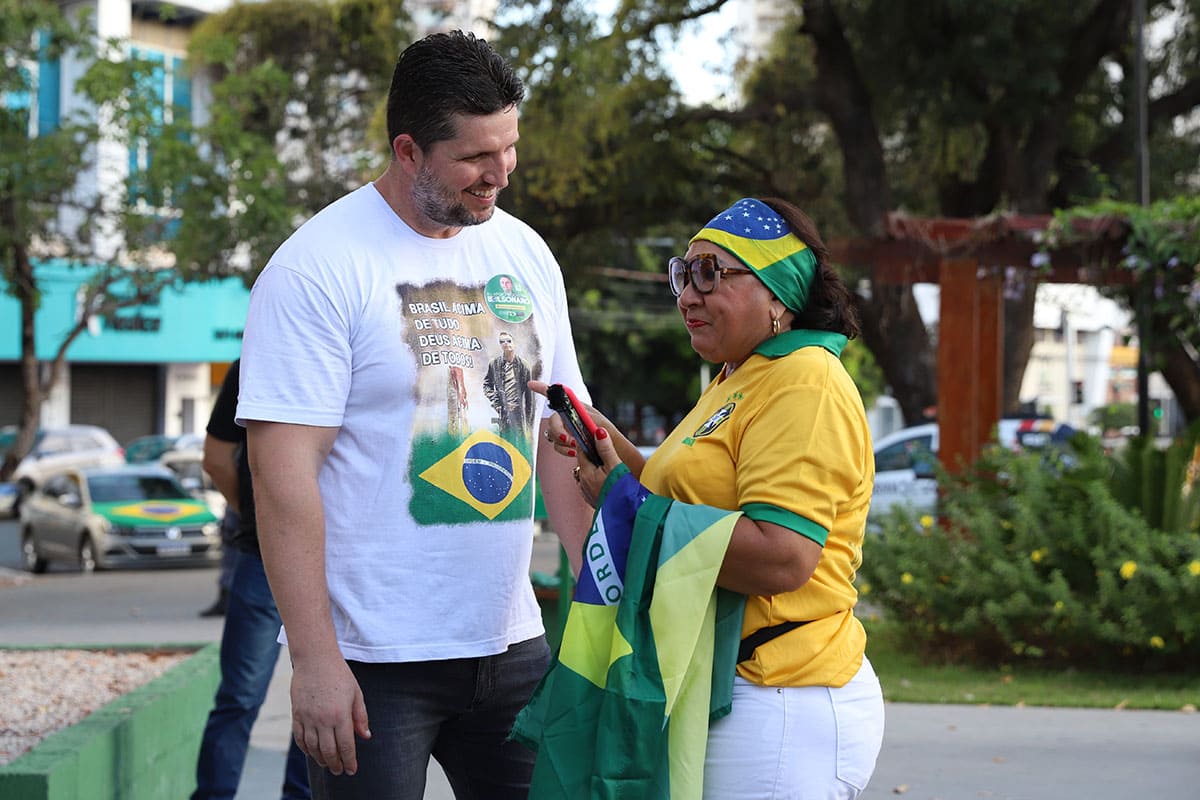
(485,472)
(158,511)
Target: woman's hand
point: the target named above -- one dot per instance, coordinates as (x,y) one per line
(565,444)
(557,434)
(591,477)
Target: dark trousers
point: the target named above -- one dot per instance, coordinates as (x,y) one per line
(249,651)
(459,711)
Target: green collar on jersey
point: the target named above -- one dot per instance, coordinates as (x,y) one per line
(793,340)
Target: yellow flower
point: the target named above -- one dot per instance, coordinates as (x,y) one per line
(906,578)
(1127,569)
(1058,605)
(1194,568)
(1157,642)
(864,589)
(1006,524)
(926,521)
(1036,555)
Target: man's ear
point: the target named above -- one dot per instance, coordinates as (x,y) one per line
(406,151)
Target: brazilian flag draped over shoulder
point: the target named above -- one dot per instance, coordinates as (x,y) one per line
(647,655)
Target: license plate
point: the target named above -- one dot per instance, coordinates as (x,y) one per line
(174,549)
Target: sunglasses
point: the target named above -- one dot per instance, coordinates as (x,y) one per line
(703,272)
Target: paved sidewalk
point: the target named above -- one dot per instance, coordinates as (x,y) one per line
(935,752)
(930,752)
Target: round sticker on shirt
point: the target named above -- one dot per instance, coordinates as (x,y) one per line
(507,299)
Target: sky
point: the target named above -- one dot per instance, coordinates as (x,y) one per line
(700,59)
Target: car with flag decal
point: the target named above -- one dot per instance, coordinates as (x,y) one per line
(103,517)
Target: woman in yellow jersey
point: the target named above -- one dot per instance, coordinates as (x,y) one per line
(780,435)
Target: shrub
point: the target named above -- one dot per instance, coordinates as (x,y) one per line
(1162,484)
(1034,559)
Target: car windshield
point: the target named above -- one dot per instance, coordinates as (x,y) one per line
(123,488)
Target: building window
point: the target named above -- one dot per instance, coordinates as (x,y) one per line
(167,81)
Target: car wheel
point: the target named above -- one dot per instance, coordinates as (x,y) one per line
(87,555)
(29,555)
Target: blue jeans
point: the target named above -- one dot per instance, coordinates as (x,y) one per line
(249,651)
(459,711)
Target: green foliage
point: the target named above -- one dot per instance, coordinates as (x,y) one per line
(1162,251)
(955,109)
(39,167)
(1035,560)
(862,368)
(1161,484)
(1160,265)
(296,122)
(1114,416)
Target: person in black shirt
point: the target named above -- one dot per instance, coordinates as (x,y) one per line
(249,640)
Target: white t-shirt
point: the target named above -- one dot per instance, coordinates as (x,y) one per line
(360,323)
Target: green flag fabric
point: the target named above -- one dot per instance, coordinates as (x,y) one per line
(647,658)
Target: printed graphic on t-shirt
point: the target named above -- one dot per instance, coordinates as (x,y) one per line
(476,349)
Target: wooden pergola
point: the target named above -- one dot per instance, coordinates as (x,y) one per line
(969,259)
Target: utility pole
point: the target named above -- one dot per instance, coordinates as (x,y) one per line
(1142,178)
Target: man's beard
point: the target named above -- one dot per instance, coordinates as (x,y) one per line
(440,205)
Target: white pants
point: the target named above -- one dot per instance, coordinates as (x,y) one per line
(796,743)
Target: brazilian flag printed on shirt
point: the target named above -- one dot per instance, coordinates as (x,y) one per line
(155,512)
(647,657)
(484,476)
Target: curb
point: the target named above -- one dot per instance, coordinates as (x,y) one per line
(142,745)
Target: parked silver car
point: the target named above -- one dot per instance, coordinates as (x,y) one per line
(103,517)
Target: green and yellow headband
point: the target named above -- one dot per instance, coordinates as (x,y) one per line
(761,239)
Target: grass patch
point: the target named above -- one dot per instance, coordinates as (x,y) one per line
(907,679)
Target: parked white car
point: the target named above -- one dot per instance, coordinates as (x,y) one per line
(58,449)
(188,466)
(905,460)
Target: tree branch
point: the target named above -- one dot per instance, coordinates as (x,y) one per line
(646,29)
(1103,32)
(1117,145)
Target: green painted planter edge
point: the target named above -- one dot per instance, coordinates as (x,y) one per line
(143,744)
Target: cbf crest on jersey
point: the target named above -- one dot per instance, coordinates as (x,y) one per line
(712,423)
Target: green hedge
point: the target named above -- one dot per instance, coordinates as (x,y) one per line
(1033,558)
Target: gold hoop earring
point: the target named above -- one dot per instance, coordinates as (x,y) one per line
(774,326)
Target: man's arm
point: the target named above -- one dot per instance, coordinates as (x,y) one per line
(327,704)
(570,516)
(220,462)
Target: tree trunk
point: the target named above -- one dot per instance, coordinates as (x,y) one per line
(895,333)
(1018,342)
(1179,369)
(25,291)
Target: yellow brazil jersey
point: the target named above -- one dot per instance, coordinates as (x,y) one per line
(785,440)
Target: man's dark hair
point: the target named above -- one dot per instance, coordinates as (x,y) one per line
(446,74)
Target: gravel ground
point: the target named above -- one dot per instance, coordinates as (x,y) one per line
(45,690)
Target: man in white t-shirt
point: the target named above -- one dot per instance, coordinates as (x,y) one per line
(397,537)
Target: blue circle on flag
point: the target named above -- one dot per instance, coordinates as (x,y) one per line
(487,472)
